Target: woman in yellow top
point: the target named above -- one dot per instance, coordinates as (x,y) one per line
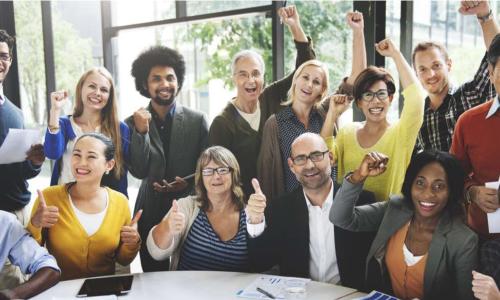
(86,227)
(373,93)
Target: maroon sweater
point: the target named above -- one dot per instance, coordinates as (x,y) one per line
(476,143)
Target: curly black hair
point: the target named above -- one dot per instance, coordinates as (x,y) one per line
(494,51)
(6,38)
(157,56)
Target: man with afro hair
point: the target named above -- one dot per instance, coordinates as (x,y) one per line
(165,142)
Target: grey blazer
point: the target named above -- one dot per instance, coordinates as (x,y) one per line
(452,253)
(189,138)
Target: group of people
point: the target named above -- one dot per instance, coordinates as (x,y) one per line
(276,184)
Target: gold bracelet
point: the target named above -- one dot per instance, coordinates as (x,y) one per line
(53,128)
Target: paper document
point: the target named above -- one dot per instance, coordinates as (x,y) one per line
(17,143)
(494,217)
(274,285)
(374,295)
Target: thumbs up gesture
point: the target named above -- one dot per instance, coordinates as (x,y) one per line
(256,204)
(129,234)
(175,219)
(45,216)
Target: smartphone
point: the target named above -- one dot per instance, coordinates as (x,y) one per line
(185,178)
(101,286)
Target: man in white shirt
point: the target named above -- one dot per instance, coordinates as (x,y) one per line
(298,235)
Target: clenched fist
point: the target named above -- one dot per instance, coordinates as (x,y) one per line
(142,117)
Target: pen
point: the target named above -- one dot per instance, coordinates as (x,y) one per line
(266,293)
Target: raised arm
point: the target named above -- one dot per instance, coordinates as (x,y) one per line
(406,74)
(485,17)
(290,17)
(357,25)
(344,213)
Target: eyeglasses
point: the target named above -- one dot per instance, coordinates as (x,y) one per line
(315,156)
(219,170)
(380,94)
(244,75)
(5,57)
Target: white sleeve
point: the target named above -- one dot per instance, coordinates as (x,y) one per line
(254,230)
(156,252)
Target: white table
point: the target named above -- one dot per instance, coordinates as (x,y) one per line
(195,285)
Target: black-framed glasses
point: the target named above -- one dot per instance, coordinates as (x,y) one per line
(219,170)
(315,156)
(5,57)
(380,94)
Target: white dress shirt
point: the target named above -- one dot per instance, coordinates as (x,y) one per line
(323,265)
(323,257)
(2,97)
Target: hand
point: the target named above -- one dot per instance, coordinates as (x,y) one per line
(175,220)
(386,48)
(58,100)
(478,8)
(355,20)
(289,15)
(485,198)
(339,103)
(176,186)
(484,287)
(36,155)
(129,234)
(142,117)
(256,204)
(373,164)
(45,216)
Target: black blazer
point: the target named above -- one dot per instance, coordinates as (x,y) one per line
(285,241)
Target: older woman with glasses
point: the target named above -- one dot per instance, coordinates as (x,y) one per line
(374,90)
(206,231)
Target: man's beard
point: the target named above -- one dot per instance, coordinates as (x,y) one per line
(164,102)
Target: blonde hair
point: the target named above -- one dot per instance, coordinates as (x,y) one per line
(326,80)
(225,158)
(110,124)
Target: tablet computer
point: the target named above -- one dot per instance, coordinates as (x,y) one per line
(112,285)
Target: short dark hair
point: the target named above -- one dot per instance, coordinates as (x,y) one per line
(109,150)
(454,173)
(424,46)
(494,51)
(157,56)
(6,38)
(370,76)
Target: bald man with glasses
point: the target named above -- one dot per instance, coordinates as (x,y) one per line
(298,236)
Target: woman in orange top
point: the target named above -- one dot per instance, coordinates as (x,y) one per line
(422,248)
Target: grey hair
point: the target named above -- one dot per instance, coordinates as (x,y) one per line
(248,53)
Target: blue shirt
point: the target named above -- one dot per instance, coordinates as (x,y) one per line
(203,249)
(20,248)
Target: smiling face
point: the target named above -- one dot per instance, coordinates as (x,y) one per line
(4,65)
(162,85)
(432,70)
(375,110)
(88,163)
(309,85)
(248,79)
(215,184)
(95,92)
(311,175)
(430,191)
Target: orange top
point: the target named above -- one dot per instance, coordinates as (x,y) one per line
(407,281)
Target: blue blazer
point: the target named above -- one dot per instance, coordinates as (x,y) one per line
(55,146)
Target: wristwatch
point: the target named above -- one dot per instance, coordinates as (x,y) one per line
(486,17)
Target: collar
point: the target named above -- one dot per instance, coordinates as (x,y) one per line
(2,96)
(495,105)
(329,199)
(170,113)
(451,91)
